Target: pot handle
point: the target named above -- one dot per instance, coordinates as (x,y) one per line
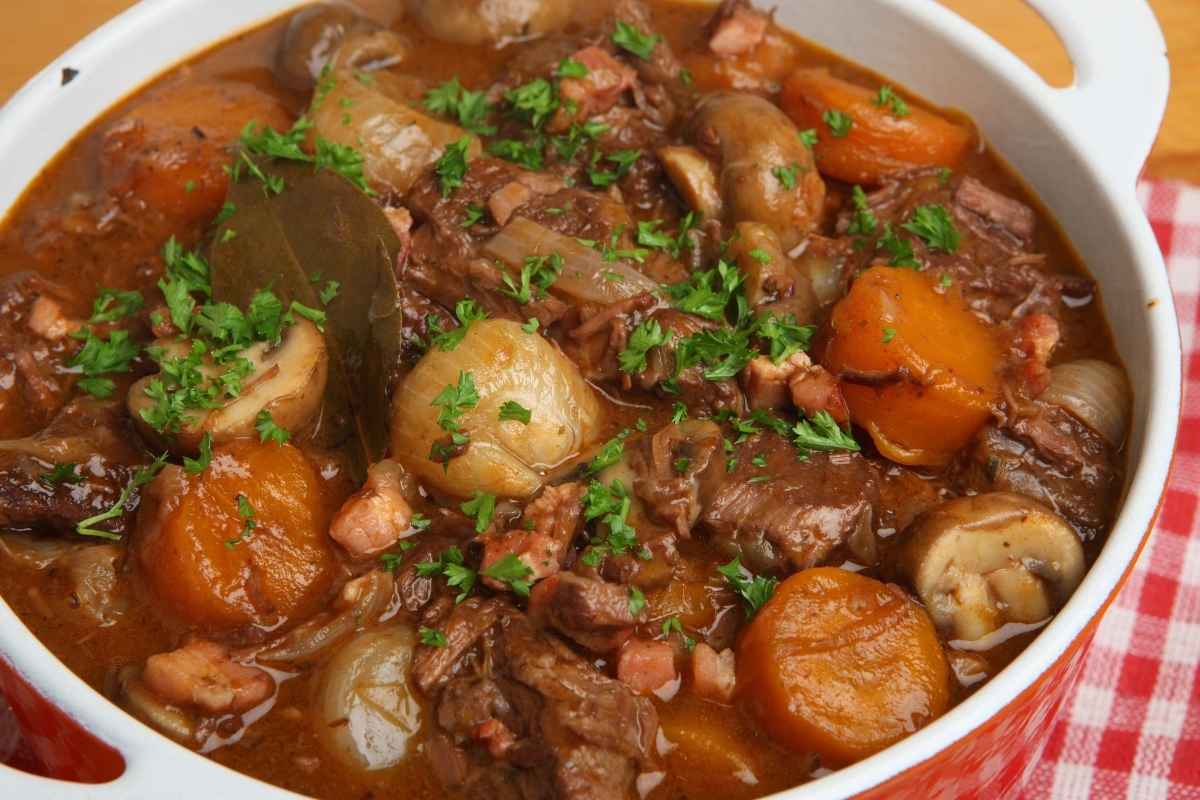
(1121,79)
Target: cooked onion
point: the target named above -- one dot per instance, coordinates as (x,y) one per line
(363,602)
(505,458)
(145,705)
(365,712)
(1095,392)
(585,275)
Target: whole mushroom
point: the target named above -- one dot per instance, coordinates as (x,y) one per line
(980,562)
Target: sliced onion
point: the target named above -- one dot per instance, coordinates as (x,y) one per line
(146,706)
(362,602)
(34,552)
(366,712)
(1095,392)
(585,275)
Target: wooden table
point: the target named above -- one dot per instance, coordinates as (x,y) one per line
(38,31)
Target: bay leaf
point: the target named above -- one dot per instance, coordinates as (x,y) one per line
(321,228)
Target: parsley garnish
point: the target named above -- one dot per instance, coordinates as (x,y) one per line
(624,159)
(469,108)
(100,356)
(113,304)
(724,352)
(933,225)
(512,410)
(864,222)
(538,273)
(900,251)
(268,431)
(513,571)
(644,338)
(528,154)
(608,454)
(839,123)
(888,98)
(783,334)
(754,590)
(708,293)
(673,625)
(467,311)
(808,137)
(570,68)
(61,474)
(473,216)
(531,325)
(453,401)
(330,291)
(246,513)
(197,465)
(432,637)
(629,38)
(822,433)
(888,335)
(637,601)
(786,175)
(535,101)
(679,412)
(450,566)
(140,478)
(481,507)
(451,168)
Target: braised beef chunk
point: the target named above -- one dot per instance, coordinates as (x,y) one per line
(669,468)
(525,717)
(74,469)
(592,612)
(993,265)
(781,514)
(689,384)
(1045,453)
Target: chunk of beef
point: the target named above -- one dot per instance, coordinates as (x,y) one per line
(788,514)
(993,266)
(592,612)
(467,624)
(1045,453)
(550,524)
(736,28)
(689,385)
(594,93)
(671,494)
(96,438)
(795,382)
(525,717)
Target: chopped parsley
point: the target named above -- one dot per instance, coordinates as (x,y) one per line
(808,137)
(268,431)
(329,292)
(570,68)
(899,250)
(534,102)
(679,412)
(933,225)
(642,340)
(839,123)
(100,356)
(723,352)
(471,109)
(886,98)
(538,273)
(754,590)
(144,475)
(786,175)
(608,454)
(623,159)
(681,465)
(431,637)
(708,293)
(637,601)
(454,400)
(822,433)
(61,474)
(610,505)
(649,235)
(512,410)
(113,304)
(197,465)
(784,336)
(864,222)
(531,325)
(474,215)
(246,513)
(673,625)
(527,154)
(451,168)
(888,335)
(632,40)
(467,311)
(512,571)
(450,565)
(481,507)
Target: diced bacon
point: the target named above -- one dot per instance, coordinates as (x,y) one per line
(737,30)
(202,675)
(595,93)
(1036,337)
(496,735)
(645,665)
(535,550)
(46,319)
(714,674)
(507,200)
(815,390)
(376,516)
(766,383)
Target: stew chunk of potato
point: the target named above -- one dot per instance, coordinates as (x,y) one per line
(864,135)
(842,665)
(241,543)
(918,370)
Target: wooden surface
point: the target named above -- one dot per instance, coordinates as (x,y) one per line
(37,31)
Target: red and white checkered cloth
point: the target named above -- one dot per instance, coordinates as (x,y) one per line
(1131,729)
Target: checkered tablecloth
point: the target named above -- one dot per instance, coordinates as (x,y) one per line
(1131,729)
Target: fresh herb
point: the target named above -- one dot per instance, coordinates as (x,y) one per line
(610,505)
(512,410)
(197,465)
(577,135)
(538,273)
(419,522)
(723,352)
(839,123)
(864,222)
(467,311)
(642,340)
(534,102)
(754,590)
(784,336)
(786,175)
(481,507)
(679,412)
(113,304)
(329,292)
(933,225)
(760,255)
(570,68)
(637,601)
(708,293)
(474,215)
(608,454)
(531,325)
(673,625)
(469,108)
(61,474)
(512,571)
(246,513)
(759,461)
(189,186)
(649,235)
(144,475)
(629,38)
(314,315)
(345,161)
(268,431)
(451,168)
(431,637)
(641,425)
(886,98)
(389,561)
(100,356)
(454,400)
(943,175)
(945,282)
(808,137)
(888,335)
(450,565)
(527,154)
(624,160)
(900,251)
(681,465)
(822,433)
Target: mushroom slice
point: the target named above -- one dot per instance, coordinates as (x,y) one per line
(287,380)
(693,176)
(980,562)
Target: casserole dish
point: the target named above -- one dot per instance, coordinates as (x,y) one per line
(1080,160)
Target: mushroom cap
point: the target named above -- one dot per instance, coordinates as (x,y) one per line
(978,562)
